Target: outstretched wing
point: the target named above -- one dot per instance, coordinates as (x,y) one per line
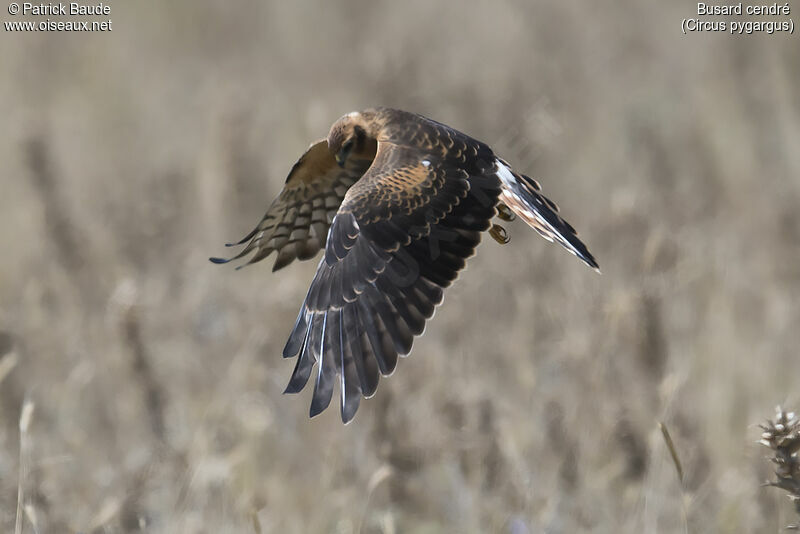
(523,195)
(401,235)
(296,224)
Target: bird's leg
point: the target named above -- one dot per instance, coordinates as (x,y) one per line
(499,234)
(505,213)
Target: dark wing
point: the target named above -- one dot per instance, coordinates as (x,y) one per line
(296,224)
(401,236)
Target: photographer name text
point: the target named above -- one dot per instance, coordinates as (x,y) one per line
(72,9)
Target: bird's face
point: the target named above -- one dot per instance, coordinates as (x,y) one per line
(348,139)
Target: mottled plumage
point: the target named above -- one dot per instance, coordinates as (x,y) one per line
(398,202)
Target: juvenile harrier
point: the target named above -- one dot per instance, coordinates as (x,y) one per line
(398,202)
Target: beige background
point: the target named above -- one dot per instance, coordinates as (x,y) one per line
(530,405)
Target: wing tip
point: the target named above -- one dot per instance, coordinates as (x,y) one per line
(299,378)
(291,388)
(243,240)
(589,260)
(584,255)
(348,414)
(594,265)
(318,405)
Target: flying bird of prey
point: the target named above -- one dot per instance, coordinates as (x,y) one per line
(398,202)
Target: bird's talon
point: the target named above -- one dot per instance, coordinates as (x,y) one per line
(499,234)
(505,213)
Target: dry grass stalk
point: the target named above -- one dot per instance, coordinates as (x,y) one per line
(7,364)
(59,221)
(154,394)
(24,423)
(30,513)
(782,436)
(672,451)
(382,473)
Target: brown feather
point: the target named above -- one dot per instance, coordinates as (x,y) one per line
(314,189)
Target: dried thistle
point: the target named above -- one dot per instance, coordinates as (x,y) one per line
(782,436)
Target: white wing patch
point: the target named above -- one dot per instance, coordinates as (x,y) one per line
(505,174)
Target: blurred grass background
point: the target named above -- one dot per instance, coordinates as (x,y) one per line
(530,405)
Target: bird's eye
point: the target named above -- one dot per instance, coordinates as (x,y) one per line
(341,156)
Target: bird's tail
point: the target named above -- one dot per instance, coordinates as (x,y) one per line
(523,195)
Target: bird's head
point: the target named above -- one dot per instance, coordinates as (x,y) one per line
(350,137)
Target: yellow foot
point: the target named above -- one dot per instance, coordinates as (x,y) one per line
(499,234)
(505,213)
